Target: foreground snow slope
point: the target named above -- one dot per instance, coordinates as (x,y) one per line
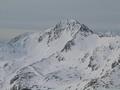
(68,56)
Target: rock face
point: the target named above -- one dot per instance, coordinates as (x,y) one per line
(68,56)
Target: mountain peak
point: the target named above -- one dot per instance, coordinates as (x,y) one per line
(72,24)
(66,29)
(66,23)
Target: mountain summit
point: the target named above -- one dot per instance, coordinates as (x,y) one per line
(67,56)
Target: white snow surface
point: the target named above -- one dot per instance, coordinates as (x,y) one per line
(68,56)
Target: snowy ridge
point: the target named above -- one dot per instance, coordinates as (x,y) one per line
(68,56)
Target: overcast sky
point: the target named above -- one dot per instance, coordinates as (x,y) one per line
(28,15)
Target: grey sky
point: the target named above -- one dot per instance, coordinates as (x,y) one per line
(38,14)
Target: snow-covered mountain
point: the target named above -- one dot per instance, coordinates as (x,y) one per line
(68,56)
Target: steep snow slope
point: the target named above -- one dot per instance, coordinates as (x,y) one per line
(68,56)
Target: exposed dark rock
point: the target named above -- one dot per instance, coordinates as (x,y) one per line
(114,64)
(14,79)
(85,29)
(93,83)
(40,39)
(68,46)
(26,89)
(92,65)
